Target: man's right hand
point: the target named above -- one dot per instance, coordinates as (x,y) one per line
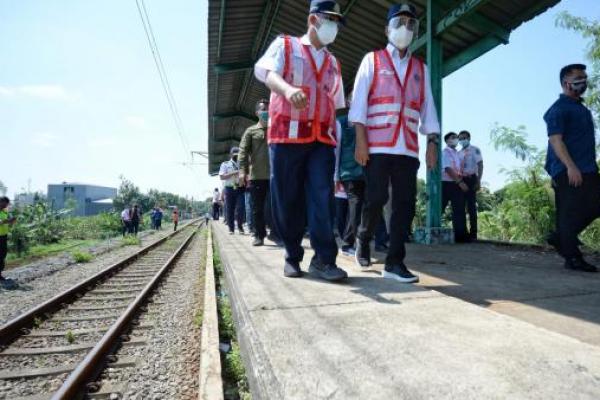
(575,178)
(361,153)
(296,97)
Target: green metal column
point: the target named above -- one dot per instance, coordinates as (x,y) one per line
(435,64)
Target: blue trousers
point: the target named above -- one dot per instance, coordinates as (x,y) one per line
(301,193)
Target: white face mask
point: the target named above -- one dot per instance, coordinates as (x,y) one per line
(327,32)
(452,142)
(400,37)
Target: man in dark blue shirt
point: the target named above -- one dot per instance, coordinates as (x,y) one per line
(571,162)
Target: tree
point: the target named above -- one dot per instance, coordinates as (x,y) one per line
(589,30)
(127,195)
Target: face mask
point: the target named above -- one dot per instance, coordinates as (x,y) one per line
(464,142)
(578,87)
(264,116)
(452,142)
(400,37)
(327,32)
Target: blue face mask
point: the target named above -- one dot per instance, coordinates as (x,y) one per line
(264,116)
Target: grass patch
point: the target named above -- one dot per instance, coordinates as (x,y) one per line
(198,319)
(235,382)
(82,256)
(70,336)
(131,241)
(47,250)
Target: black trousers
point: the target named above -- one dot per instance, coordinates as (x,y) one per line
(234,198)
(3,251)
(215,211)
(577,207)
(401,172)
(356,196)
(471,203)
(126,227)
(259,189)
(452,194)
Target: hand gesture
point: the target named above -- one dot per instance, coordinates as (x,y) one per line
(297,98)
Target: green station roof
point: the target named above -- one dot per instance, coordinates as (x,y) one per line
(239,31)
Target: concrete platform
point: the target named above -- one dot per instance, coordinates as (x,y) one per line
(497,324)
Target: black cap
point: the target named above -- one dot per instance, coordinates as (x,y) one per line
(404,8)
(326,7)
(447,135)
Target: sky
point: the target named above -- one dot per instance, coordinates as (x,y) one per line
(81,101)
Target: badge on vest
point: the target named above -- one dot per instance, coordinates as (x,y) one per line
(386,72)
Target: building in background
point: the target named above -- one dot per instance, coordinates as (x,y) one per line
(85,199)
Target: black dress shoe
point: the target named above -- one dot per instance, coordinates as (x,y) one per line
(292,270)
(579,264)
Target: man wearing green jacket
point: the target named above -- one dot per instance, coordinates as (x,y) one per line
(5,222)
(254,170)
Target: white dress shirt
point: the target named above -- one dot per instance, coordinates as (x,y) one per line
(228,167)
(274,60)
(451,158)
(471,157)
(360,99)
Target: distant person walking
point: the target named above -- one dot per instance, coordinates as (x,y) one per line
(5,222)
(453,187)
(571,162)
(136,217)
(216,207)
(234,194)
(175,219)
(126,220)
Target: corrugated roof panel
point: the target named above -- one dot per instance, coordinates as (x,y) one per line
(249,26)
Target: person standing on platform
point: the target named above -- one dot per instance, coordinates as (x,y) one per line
(391,95)
(255,169)
(350,175)
(472,170)
(453,186)
(234,194)
(5,222)
(571,162)
(306,89)
(215,204)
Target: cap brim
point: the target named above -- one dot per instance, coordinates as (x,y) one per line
(341,16)
(403,12)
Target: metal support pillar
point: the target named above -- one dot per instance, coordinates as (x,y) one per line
(433,232)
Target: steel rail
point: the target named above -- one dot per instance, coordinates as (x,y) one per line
(92,364)
(14,327)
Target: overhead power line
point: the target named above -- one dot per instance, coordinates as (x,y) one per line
(162,74)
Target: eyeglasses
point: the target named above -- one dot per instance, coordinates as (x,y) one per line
(412,24)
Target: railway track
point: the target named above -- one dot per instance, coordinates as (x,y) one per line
(57,349)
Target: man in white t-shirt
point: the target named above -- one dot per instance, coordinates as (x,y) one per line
(234,194)
(472,171)
(453,186)
(126,220)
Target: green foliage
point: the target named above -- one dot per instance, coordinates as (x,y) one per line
(198,317)
(82,256)
(235,373)
(590,30)
(70,336)
(131,241)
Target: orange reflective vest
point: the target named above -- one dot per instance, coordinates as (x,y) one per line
(317,121)
(394,104)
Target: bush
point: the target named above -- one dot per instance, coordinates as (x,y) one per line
(130,241)
(82,256)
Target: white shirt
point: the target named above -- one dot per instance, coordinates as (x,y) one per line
(125,216)
(471,157)
(228,167)
(216,195)
(274,60)
(451,158)
(338,150)
(360,99)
